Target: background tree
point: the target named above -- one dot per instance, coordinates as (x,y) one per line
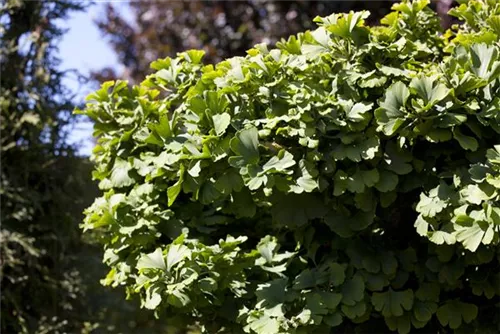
(221,28)
(49,274)
(39,172)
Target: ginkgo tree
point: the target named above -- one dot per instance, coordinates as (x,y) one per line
(347,180)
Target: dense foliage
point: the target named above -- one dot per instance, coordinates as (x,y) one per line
(41,179)
(158,29)
(48,273)
(346,181)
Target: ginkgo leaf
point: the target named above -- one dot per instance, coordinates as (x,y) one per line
(245,144)
(175,254)
(476,194)
(390,116)
(472,236)
(430,206)
(393,303)
(174,190)
(454,312)
(482,58)
(221,122)
(358,111)
(397,161)
(402,324)
(387,181)
(265,325)
(441,237)
(153,299)
(429,89)
(120,174)
(353,290)
(153,260)
(279,162)
(467,142)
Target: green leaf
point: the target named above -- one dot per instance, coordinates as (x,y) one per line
(279,163)
(174,190)
(195,56)
(271,293)
(358,112)
(402,324)
(353,291)
(207,284)
(265,325)
(493,155)
(346,226)
(423,311)
(389,264)
(476,194)
(428,292)
(453,312)
(430,206)
(178,299)
(215,103)
(337,274)
(306,279)
(245,144)
(175,254)
(390,116)
(333,320)
(472,236)
(345,24)
(331,300)
(467,142)
(387,181)
(307,181)
(370,177)
(153,299)
(316,304)
(393,303)
(195,170)
(494,22)
(267,247)
(120,174)
(482,59)
(478,172)
(312,50)
(397,161)
(153,260)
(163,127)
(354,311)
(439,135)
(429,89)
(440,237)
(221,122)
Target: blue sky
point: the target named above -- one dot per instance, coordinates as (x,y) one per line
(84,49)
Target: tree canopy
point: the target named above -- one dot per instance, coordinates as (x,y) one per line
(347,180)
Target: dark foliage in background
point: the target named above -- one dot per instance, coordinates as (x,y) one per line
(49,274)
(221,28)
(41,176)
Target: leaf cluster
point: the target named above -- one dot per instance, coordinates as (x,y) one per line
(347,179)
